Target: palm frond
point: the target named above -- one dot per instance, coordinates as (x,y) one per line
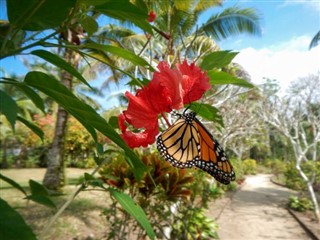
(232,21)
(315,41)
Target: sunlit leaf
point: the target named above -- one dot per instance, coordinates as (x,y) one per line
(219,78)
(217,59)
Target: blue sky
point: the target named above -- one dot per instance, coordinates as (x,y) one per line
(281,52)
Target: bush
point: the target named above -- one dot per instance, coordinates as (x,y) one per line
(238,168)
(249,166)
(277,166)
(168,195)
(300,204)
(293,179)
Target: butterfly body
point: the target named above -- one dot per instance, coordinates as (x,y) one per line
(187,143)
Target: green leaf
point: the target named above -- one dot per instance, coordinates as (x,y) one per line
(85,114)
(92,181)
(138,82)
(33,127)
(60,63)
(217,60)
(89,25)
(120,52)
(12,225)
(113,121)
(37,188)
(219,77)
(100,149)
(12,183)
(123,10)
(134,210)
(54,89)
(35,15)
(232,21)
(43,200)
(29,92)
(8,107)
(207,112)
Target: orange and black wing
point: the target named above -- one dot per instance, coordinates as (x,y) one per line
(180,144)
(187,143)
(212,157)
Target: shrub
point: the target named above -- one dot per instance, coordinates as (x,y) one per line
(169,196)
(293,179)
(277,166)
(300,204)
(249,166)
(238,168)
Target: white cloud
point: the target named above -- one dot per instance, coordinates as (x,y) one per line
(285,62)
(311,4)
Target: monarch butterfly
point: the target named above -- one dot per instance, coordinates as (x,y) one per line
(187,143)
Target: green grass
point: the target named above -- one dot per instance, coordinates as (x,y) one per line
(81,220)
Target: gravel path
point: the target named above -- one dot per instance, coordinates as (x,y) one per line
(257,211)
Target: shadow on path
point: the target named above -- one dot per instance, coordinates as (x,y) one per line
(257,211)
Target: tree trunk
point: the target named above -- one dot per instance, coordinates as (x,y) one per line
(54,178)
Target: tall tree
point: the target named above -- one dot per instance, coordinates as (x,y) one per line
(297,118)
(54,177)
(178,34)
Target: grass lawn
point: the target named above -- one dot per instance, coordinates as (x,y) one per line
(81,220)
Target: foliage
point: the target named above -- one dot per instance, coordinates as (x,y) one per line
(249,166)
(293,179)
(277,166)
(70,26)
(12,225)
(238,168)
(300,204)
(167,199)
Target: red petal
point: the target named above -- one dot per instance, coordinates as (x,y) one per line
(148,136)
(140,112)
(195,82)
(167,89)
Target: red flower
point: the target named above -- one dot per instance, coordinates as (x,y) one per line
(169,89)
(138,139)
(152,16)
(194,83)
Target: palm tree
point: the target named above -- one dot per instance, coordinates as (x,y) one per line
(178,20)
(315,41)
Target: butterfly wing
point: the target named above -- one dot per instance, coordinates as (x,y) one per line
(180,144)
(187,143)
(212,157)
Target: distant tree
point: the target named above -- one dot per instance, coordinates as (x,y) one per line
(297,118)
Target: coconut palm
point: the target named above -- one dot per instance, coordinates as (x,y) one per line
(315,41)
(177,21)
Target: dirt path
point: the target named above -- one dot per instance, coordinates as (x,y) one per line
(257,212)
